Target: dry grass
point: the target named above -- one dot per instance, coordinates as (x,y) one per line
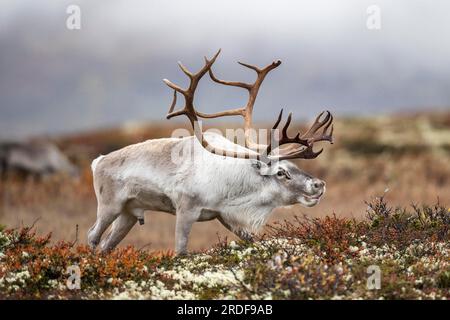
(409,155)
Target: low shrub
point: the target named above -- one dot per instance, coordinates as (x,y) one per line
(326,258)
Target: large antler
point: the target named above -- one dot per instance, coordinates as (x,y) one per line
(191,113)
(300,147)
(247,110)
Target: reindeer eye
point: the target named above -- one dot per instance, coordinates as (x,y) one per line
(280,173)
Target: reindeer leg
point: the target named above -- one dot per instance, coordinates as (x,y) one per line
(183,227)
(120,228)
(105,216)
(186,214)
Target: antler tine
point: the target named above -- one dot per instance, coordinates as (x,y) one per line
(172,113)
(285,139)
(329,123)
(174,86)
(266,69)
(286,125)
(185,70)
(207,66)
(304,148)
(247,111)
(317,124)
(230,83)
(268,149)
(174,103)
(326,123)
(328,137)
(271,66)
(331,134)
(232,112)
(258,70)
(278,120)
(284,134)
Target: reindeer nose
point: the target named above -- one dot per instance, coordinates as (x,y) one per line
(318,184)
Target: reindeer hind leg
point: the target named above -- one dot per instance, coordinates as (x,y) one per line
(120,228)
(106,214)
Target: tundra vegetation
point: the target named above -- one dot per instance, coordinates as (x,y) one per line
(323,255)
(321,258)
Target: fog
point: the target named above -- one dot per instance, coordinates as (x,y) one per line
(55,80)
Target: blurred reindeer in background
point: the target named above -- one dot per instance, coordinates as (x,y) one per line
(238,185)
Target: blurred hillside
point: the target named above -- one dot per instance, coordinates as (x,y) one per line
(54,80)
(406,156)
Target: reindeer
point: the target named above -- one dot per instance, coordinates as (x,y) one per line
(238,185)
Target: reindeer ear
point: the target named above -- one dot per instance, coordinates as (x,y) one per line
(257,164)
(263,168)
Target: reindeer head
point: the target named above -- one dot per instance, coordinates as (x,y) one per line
(287,184)
(269,160)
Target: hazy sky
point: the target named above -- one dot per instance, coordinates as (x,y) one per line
(56,80)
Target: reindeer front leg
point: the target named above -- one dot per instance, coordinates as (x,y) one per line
(183,227)
(186,214)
